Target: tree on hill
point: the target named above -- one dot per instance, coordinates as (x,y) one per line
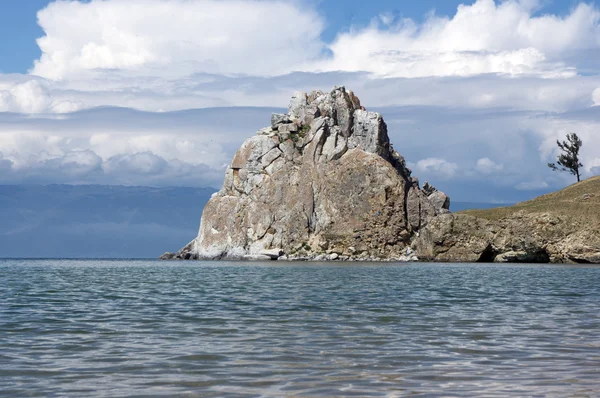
(569,159)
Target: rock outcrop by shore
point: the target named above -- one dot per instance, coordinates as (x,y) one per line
(321,182)
(561,227)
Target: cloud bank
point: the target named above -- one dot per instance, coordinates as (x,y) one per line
(479,97)
(484,37)
(177,37)
(266,38)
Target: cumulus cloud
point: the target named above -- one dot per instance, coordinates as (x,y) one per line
(219,53)
(71,166)
(137,163)
(585,123)
(234,36)
(76,162)
(86,166)
(488,166)
(230,36)
(470,95)
(67,106)
(435,166)
(190,148)
(32,96)
(483,37)
(147,168)
(28,97)
(120,146)
(201,91)
(596,96)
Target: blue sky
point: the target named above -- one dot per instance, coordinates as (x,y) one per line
(18,31)
(124,91)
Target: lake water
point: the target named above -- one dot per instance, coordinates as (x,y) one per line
(142,328)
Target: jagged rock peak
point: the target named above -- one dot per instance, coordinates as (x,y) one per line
(340,113)
(320,182)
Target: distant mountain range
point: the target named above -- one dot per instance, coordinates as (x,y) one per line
(97,221)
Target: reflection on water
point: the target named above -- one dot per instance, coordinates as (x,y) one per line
(139,328)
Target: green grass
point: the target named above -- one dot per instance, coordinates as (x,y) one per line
(580,201)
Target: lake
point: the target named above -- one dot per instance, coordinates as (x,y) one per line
(128,328)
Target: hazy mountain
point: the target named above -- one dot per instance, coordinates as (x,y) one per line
(97,221)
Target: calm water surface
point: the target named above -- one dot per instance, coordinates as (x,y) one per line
(143,328)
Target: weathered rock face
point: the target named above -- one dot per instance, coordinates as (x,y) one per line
(322,182)
(520,237)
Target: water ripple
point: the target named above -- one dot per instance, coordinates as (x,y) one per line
(146,328)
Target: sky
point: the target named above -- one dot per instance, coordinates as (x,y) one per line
(163,92)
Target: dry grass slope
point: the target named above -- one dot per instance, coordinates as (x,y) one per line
(580,202)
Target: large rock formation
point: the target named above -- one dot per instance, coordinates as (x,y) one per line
(321,182)
(561,227)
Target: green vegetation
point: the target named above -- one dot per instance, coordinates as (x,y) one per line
(569,159)
(296,136)
(304,130)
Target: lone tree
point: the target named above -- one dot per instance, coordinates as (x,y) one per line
(569,159)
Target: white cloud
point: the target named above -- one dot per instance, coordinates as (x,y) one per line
(387,18)
(110,53)
(177,37)
(483,37)
(273,37)
(137,163)
(148,168)
(596,96)
(200,91)
(435,166)
(119,146)
(67,106)
(495,81)
(74,164)
(488,166)
(86,166)
(28,97)
(33,96)
(550,129)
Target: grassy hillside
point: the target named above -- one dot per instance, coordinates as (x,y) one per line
(580,201)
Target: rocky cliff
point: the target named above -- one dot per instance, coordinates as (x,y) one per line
(561,227)
(321,182)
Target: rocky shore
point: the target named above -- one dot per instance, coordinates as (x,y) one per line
(324,183)
(561,227)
